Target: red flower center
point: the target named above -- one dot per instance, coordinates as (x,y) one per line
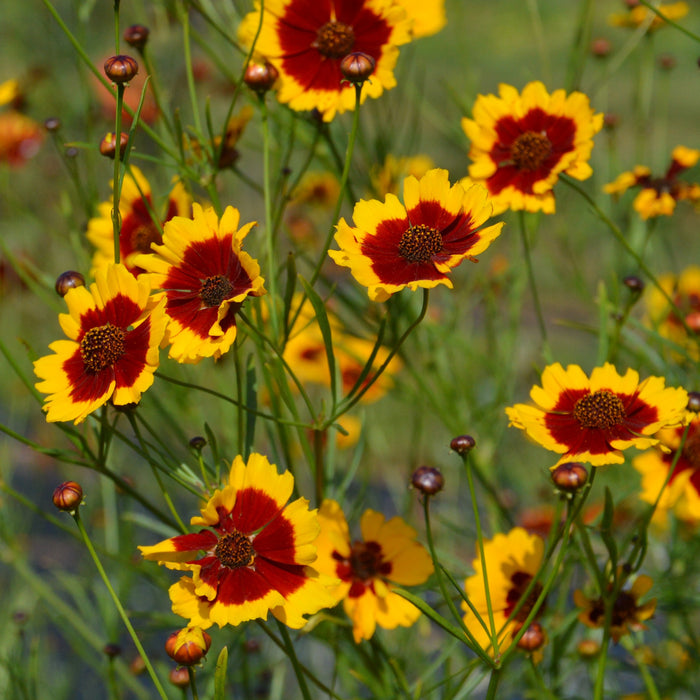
(215,290)
(521,581)
(691,451)
(420,243)
(624,610)
(601,410)
(102,346)
(142,237)
(334,39)
(530,150)
(234,550)
(366,560)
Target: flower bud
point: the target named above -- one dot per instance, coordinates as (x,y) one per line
(121,69)
(180,676)
(588,648)
(428,480)
(112,650)
(260,77)
(71,152)
(533,638)
(600,47)
(108,145)
(137,666)
(634,284)
(667,61)
(188,646)
(68,496)
(356,67)
(463,444)
(52,124)
(692,320)
(694,401)
(68,280)
(570,476)
(136,35)
(198,443)
(611,120)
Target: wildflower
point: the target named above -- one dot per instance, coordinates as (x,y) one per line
(659,195)
(114,330)
(417,243)
(627,613)
(317,188)
(637,15)
(188,646)
(680,492)
(252,556)
(592,420)
(427,18)
(520,143)
(205,277)
(512,560)
(138,227)
(306,41)
(387,178)
(20,138)
(387,554)
(684,291)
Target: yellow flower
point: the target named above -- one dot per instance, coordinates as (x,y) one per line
(306,40)
(114,330)
(593,420)
(427,18)
(387,554)
(512,560)
(520,143)
(638,15)
(415,244)
(387,178)
(9,91)
(252,556)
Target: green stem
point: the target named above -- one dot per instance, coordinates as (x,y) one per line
(291,653)
(117,184)
(118,605)
(493,683)
(673,23)
(193,684)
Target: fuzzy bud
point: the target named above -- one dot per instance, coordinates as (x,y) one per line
(463,444)
(428,480)
(136,35)
(121,69)
(356,67)
(68,280)
(108,145)
(570,476)
(260,77)
(68,496)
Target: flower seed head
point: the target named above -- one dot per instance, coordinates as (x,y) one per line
(108,145)
(67,281)
(356,67)
(260,77)
(68,496)
(136,35)
(428,480)
(570,476)
(121,69)
(463,444)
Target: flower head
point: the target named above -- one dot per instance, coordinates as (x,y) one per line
(593,420)
(520,143)
(252,556)
(680,492)
(205,277)
(114,329)
(20,138)
(512,560)
(627,613)
(637,15)
(387,554)
(138,227)
(306,41)
(415,244)
(659,195)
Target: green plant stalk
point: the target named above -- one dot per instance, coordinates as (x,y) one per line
(673,23)
(647,678)
(493,683)
(117,184)
(118,605)
(116,28)
(291,654)
(193,683)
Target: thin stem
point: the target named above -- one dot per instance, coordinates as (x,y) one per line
(291,653)
(117,184)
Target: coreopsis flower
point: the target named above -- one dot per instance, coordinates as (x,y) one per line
(512,560)
(114,329)
(627,613)
(387,554)
(637,15)
(520,143)
(593,420)
(659,195)
(417,243)
(317,188)
(306,41)
(679,492)
(20,138)
(427,18)
(388,178)
(253,553)
(684,291)
(141,221)
(205,277)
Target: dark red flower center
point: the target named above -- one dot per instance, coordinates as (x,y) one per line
(102,346)
(215,290)
(600,410)
(334,39)
(366,560)
(520,581)
(420,243)
(530,150)
(142,237)
(234,550)
(624,610)
(691,450)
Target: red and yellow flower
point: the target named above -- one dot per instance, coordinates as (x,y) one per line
(252,555)
(512,561)
(593,420)
(141,225)
(387,554)
(415,244)
(520,143)
(659,195)
(113,330)
(306,40)
(205,277)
